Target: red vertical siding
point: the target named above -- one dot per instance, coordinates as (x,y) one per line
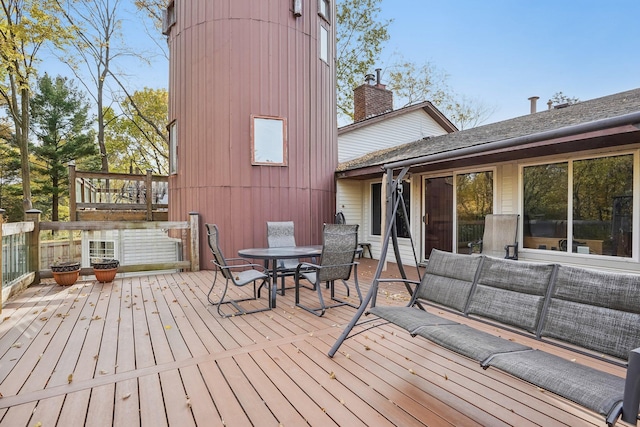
(230,59)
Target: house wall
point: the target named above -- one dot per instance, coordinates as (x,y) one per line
(401,129)
(507,199)
(230,60)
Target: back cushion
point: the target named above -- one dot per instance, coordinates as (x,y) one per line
(511,292)
(448,279)
(596,310)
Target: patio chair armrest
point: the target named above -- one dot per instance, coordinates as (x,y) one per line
(244,266)
(632,389)
(511,251)
(408,283)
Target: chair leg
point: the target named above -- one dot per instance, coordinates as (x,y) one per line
(235,303)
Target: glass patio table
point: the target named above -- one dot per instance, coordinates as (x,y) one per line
(273,255)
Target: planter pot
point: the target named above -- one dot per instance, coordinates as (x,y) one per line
(105,270)
(66,273)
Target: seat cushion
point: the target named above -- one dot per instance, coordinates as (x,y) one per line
(241,278)
(595,309)
(448,279)
(409,318)
(470,342)
(511,292)
(593,389)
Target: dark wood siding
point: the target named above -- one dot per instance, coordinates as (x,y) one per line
(231,59)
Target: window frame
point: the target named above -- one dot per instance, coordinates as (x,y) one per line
(570,203)
(377,216)
(323,44)
(324,10)
(173,147)
(260,141)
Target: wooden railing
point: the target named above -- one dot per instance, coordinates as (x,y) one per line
(105,196)
(15,271)
(32,228)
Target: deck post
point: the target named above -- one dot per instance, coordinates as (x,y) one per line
(72,192)
(194,240)
(149,195)
(33,215)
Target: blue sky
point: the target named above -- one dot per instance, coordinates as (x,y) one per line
(501,52)
(498,52)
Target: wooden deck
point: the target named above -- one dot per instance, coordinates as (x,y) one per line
(152,351)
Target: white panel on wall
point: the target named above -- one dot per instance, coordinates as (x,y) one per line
(398,130)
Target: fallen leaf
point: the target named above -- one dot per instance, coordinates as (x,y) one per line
(126,396)
(332,375)
(70,378)
(167,326)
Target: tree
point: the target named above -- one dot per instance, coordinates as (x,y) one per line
(10,192)
(138,137)
(154,10)
(560,98)
(97,26)
(60,121)
(412,84)
(25,27)
(360,38)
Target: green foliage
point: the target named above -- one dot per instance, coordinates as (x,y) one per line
(59,114)
(560,98)
(596,182)
(360,38)
(138,137)
(545,191)
(26,26)
(474,195)
(10,188)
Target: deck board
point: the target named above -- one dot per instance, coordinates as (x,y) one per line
(151,351)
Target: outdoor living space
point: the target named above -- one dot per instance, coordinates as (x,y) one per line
(151,350)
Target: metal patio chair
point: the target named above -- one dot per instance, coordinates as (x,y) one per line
(281,234)
(500,237)
(239,273)
(340,244)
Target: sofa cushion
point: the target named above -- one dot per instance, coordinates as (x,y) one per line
(511,292)
(473,343)
(448,279)
(596,310)
(593,389)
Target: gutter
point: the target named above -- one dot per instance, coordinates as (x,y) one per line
(625,119)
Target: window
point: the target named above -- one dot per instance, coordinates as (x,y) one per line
(168,18)
(173,148)
(102,249)
(324,9)
(580,206)
(376,210)
(324,44)
(269,141)
(474,200)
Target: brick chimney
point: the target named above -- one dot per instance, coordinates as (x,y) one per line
(371,99)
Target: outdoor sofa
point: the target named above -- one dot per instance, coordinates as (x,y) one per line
(592,311)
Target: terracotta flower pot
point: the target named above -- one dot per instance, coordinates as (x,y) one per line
(66,273)
(105,270)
